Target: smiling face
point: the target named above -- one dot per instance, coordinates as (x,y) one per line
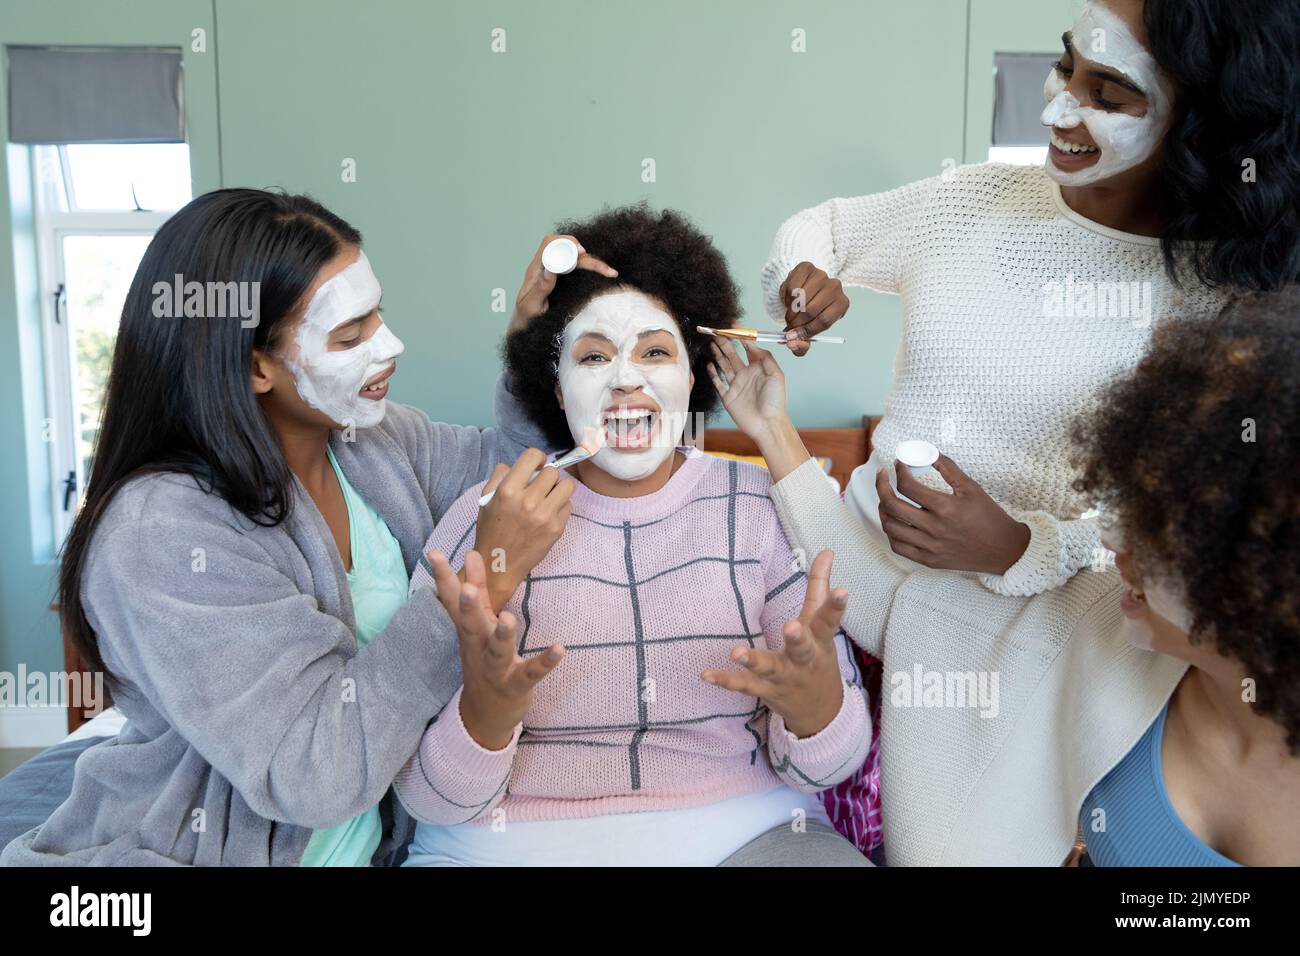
(1108,103)
(341,354)
(623,367)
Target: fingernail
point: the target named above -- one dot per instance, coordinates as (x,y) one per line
(791,335)
(841,600)
(742,658)
(708,678)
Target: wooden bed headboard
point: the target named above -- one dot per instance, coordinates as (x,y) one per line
(845,447)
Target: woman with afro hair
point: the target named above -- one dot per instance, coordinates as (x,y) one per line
(1194,459)
(668,686)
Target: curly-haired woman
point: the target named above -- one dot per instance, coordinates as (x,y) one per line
(666,686)
(1173,178)
(1195,456)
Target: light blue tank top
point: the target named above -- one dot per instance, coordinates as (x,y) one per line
(378,584)
(1141,826)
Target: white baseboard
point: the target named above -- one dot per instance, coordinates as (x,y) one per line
(32,726)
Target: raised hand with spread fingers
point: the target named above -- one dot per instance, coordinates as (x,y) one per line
(498,683)
(801,680)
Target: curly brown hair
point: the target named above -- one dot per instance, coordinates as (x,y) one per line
(660,254)
(1196,456)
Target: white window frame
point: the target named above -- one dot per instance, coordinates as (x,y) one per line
(54,221)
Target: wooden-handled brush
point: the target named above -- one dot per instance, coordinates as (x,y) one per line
(754,335)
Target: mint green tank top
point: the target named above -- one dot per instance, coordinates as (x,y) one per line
(378,583)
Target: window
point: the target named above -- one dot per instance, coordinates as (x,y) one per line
(97,208)
(1018,134)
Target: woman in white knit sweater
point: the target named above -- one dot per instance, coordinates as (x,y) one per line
(1025,290)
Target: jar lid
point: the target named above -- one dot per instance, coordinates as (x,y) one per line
(560,256)
(917,453)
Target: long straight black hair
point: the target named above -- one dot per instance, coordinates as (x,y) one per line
(179,395)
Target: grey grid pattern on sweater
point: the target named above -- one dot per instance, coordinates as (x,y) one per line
(651,567)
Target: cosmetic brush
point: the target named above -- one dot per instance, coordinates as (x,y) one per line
(754,335)
(593,440)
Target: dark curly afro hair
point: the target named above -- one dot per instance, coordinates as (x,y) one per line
(660,254)
(1196,455)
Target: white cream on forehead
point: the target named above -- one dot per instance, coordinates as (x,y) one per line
(1125,141)
(331,381)
(624,318)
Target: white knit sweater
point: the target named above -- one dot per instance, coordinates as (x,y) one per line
(996,780)
(993,366)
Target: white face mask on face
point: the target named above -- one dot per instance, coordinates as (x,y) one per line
(331,382)
(1124,141)
(632,450)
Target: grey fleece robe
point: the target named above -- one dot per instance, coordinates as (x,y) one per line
(252,716)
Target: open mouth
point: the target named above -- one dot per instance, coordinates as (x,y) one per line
(377,388)
(1068,155)
(629,429)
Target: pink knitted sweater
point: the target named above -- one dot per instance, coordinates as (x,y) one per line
(644,593)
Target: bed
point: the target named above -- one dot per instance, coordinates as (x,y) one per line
(31,792)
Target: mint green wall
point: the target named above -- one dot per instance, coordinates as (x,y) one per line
(465,157)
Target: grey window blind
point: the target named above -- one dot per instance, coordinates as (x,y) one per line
(1018,98)
(95,95)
